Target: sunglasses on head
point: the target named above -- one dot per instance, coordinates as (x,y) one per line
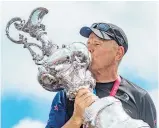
(109,31)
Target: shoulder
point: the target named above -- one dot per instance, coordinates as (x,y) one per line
(57,115)
(136,93)
(142,100)
(132,87)
(59,98)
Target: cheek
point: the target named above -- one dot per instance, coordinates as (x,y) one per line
(102,56)
(99,56)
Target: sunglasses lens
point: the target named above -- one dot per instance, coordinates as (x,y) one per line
(106,28)
(103,27)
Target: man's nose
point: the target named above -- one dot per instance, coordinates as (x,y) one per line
(90,45)
(90,49)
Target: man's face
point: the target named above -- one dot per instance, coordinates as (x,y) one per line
(103,52)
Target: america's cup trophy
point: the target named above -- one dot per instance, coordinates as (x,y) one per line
(66,68)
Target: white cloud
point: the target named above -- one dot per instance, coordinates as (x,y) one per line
(63,23)
(142,56)
(29,123)
(154,95)
(22,77)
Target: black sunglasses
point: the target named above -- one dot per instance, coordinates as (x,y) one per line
(109,31)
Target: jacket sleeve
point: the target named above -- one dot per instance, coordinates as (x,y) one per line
(148,111)
(57,115)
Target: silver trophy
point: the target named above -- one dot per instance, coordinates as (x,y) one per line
(66,68)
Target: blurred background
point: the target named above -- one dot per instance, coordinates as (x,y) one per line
(24,103)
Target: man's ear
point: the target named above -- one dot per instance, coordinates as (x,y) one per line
(120,53)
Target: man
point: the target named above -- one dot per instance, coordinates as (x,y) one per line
(107,44)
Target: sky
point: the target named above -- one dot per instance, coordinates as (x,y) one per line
(24,103)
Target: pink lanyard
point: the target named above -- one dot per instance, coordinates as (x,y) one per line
(115,86)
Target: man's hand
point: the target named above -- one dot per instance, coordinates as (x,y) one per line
(84,98)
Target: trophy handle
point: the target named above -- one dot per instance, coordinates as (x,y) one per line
(19,23)
(36,30)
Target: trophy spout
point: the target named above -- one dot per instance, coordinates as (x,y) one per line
(34,21)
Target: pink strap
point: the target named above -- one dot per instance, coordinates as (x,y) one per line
(115,86)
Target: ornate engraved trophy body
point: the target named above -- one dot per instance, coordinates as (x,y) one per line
(67,68)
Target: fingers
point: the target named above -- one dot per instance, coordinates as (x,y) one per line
(85,98)
(89,100)
(82,92)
